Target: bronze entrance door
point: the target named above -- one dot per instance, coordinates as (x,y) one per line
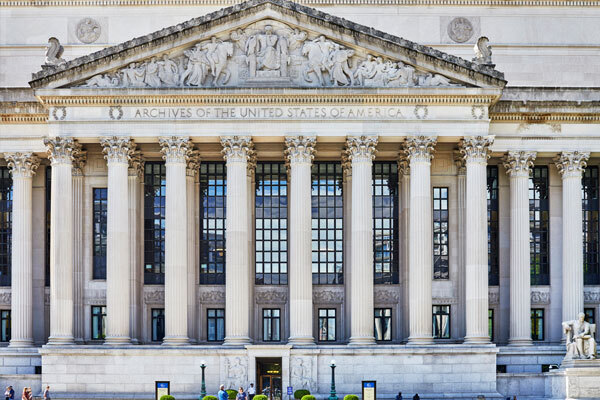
(268,371)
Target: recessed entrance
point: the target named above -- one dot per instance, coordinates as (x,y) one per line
(268,374)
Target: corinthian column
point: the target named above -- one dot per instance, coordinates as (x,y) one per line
(571,165)
(135,188)
(176,152)
(22,167)
(419,150)
(191,173)
(361,152)
(117,152)
(475,151)
(78,248)
(236,151)
(300,153)
(518,165)
(61,152)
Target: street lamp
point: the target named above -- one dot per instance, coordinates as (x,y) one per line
(203,387)
(332,395)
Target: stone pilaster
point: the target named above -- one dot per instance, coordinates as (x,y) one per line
(117,152)
(191,173)
(475,151)
(22,167)
(403,223)
(299,154)
(461,192)
(237,150)
(135,190)
(176,152)
(361,152)
(518,166)
(570,165)
(419,150)
(78,248)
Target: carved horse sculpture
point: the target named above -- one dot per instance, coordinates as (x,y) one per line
(315,64)
(223,51)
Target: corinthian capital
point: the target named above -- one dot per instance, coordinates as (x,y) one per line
(136,164)
(571,163)
(419,148)
(62,150)
(300,149)
(403,164)
(361,148)
(175,149)
(117,149)
(22,165)
(237,148)
(193,164)
(519,163)
(476,148)
(79,160)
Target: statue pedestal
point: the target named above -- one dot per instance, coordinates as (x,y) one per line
(575,379)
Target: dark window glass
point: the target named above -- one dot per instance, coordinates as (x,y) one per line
(441,256)
(158,324)
(539,217)
(5,225)
(216,324)
(383,324)
(100,210)
(98,322)
(327,321)
(591,237)
(327,223)
(5,328)
(491,324)
(154,222)
(492,215)
(590,315)
(271,324)
(271,204)
(213,194)
(48,208)
(441,322)
(537,324)
(385,222)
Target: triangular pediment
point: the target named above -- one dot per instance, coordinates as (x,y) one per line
(268,43)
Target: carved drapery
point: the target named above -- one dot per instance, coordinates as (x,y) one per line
(22,165)
(62,150)
(361,148)
(519,163)
(175,149)
(237,148)
(117,149)
(476,148)
(419,148)
(571,163)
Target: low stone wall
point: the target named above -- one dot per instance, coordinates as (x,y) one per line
(521,384)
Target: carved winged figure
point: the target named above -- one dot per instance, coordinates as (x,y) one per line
(54,52)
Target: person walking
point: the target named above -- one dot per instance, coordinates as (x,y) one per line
(12,393)
(251,392)
(241,395)
(222,395)
(7,393)
(46,395)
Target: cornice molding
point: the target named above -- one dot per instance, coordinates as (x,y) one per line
(15,118)
(541,118)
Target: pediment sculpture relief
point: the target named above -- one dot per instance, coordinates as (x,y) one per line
(268,53)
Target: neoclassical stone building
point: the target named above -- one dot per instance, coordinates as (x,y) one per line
(267,187)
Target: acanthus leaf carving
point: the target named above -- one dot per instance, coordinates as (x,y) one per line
(270,296)
(22,165)
(155,296)
(540,297)
(519,163)
(212,297)
(328,296)
(571,163)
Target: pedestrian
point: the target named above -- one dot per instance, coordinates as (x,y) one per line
(416,397)
(12,393)
(29,394)
(251,392)
(222,395)
(7,393)
(241,395)
(47,393)
(399,396)
(24,394)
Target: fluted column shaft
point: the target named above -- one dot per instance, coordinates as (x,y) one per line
(22,167)
(518,165)
(419,151)
(192,279)
(300,153)
(136,174)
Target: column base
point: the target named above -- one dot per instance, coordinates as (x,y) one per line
(176,341)
(21,343)
(520,342)
(477,340)
(419,340)
(301,341)
(236,341)
(60,341)
(117,340)
(361,341)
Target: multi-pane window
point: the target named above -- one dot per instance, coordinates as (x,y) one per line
(539,217)
(590,315)
(591,234)
(492,219)
(98,322)
(271,204)
(385,222)
(441,258)
(100,212)
(216,324)
(491,324)
(327,223)
(5,225)
(327,321)
(5,326)
(48,184)
(537,324)
(271,324)
(158,324)
(155,181)
(441,322)
(213,194)
(383,324)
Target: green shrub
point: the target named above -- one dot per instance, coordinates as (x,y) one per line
(308,397)
(350,397)
(300,393)
(231,394)
(260,397)
(167,397)
(210,398)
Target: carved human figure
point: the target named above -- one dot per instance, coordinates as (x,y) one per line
(267,52)
(235,372)
(365,70)
(54,52)
(296,38)
(301,376)
(151,77)
(580,338)
(317,51)
(133,76)
(168,72)
(102,81)
(210,48)
(239,37)
(195,72)
(340,70)
(434,80)
(220,56)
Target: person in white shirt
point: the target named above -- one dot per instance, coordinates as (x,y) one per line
(251,391)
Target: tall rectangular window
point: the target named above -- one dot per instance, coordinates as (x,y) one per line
(5,326)
(590,315)
(441,322)
(537,324)
(591,235)
(100,212)
(271,204)
(271,324)
(5,225)
(385,222)
(155,181)
(539,218)
(441,258)
(492,215)
(158,324)
(48,185)
(216,324)
(98,322)
(327,322)
(491,324)
(383,324)
(213,195)
(327,223)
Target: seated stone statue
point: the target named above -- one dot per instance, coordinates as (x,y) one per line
(580,338)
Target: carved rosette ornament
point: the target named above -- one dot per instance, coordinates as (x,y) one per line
(237,148)
(571,164)
(419,148)
(476,149)
(519,163)
(22,165)
(136,164)
(117,149)
(193,164)
(361,148)
(300,149)
(62,150)
(175,149)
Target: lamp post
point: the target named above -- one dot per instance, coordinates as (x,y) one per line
(332,395)
(203,387)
